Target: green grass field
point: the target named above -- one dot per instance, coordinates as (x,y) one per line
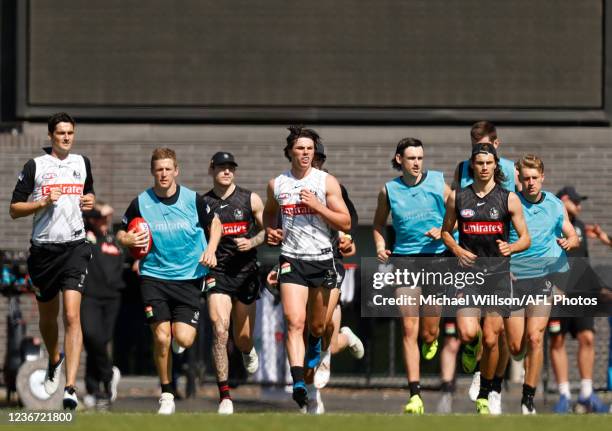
(352,422)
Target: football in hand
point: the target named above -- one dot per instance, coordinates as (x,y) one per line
(138,225)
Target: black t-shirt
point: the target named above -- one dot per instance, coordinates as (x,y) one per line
(582,250)
(205,215)
(105,270)
(482,221)
(238,220)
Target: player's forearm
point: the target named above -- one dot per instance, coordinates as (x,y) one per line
(379,238)
(258,239)
(521,244)
(24,209)
(449,241)
(216,229)
(335,219)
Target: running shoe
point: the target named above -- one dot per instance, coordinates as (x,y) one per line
(414,406)
(354,343)
(53,375)
(429,350)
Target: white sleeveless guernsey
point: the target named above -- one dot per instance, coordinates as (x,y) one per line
(306,236)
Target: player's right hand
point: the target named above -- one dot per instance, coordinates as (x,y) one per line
(274,236)
(383,255)
(135,239)
(466,258)
(54,195)
(272,278)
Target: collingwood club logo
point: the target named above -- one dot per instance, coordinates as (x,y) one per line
(494,213)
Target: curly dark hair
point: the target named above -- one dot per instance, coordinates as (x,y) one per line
(296,132)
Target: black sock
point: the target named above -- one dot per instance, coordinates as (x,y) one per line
(496,384)
(224,390)
(448,387)
(415,388)
(71,389)
(297,374)
(528,391)
(167,387)
(485,388)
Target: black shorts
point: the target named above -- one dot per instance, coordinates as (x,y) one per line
(573,325)
(323,273)
(530,291)
(55,267)
(341,271)
(427,263)
(497,286)
(171,300)
(243,286)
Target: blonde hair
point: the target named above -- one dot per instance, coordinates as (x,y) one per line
(530,161)
(163,153)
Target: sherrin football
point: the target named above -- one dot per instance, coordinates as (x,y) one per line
(139,224)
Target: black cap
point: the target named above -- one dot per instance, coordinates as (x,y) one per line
(571,193)
(223,158)
(320,150)
(484,148)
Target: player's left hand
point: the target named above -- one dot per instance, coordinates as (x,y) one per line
(563,243)
(208,259)
(434,233)
(244,244)
(87,202)
(309,199)
(504,247)
(346,245)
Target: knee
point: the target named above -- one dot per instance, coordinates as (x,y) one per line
(410,327)
(72,318)
(586,339)
(429,335)
(535,340)
(317,329)
(220,330)
(295,324)
(514,347)
(490,340)
(163,338)
(467,334)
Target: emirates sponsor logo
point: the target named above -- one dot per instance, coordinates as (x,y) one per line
(483,228)
(67,189)
(296,209)
(237,228)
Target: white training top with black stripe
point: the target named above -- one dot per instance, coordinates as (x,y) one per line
(63,221)
(306,236)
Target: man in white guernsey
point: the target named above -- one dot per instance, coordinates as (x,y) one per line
(311,206)
(61,186)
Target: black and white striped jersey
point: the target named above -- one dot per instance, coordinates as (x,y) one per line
(63,221)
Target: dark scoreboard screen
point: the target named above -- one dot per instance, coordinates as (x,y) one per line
(180,56)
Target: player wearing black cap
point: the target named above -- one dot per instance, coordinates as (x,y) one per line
(484,211)
(232,287)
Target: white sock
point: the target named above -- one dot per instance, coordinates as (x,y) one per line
(586,388)
(564,389)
